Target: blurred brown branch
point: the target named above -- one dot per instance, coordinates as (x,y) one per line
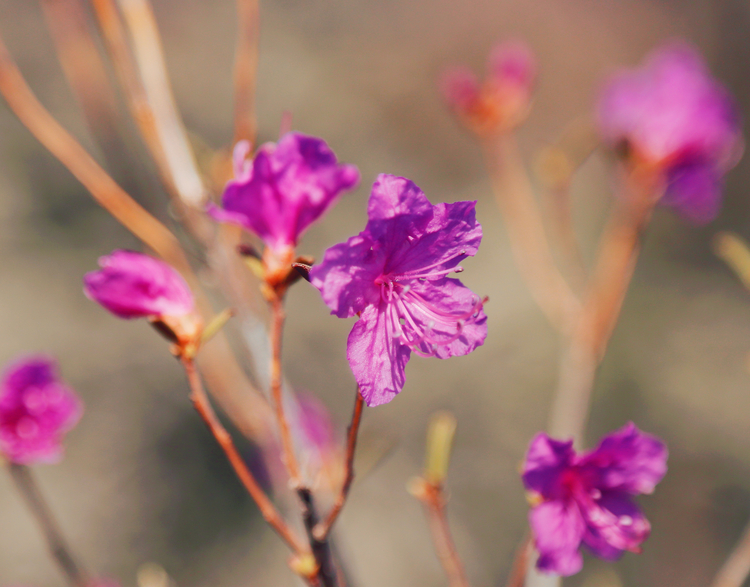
(245,70)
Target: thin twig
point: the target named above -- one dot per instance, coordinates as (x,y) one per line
(149,56)
(517,575)
(58,546)
(87,77)
(245,70)
(737,566)
(614,268)
(267,509)
(277,328)
(321,530)
(321,548)
(115,36)
(433,497)
(516,200)
(72,155)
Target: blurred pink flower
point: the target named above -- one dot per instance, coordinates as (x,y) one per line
(36,410)
(134,285)
(586,498)
(282,191)
(502,101)
(672,115)
(394,276)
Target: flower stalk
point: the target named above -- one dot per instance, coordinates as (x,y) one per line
(267,509)
(323,528)
(58,546)
(430,490)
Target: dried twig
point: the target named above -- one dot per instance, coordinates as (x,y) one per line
(245,70)
(58,546)
(322,529)
(267,509)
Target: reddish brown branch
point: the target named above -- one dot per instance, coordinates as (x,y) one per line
(515,198)
(267,509)
(321,530)
(620,245)
(287,444)
(58,546)
(245,70)
(433,497)
(72,155)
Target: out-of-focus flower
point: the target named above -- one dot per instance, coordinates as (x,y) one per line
(320,447)
(284,189)
(36,410)
(134,285)
(586,499)
(502,101)
(672,116)
(394,276)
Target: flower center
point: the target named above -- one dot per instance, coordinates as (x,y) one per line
(418,323)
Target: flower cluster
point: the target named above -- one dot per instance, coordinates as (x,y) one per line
(502,101)
(36,410)
(393,275)
(673,116)
(284,189)
(586,498)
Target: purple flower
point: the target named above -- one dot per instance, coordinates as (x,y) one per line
(286,188)
(133,285)
(672,115)
(586,499)
(36,410)
(502,100)
(394,276)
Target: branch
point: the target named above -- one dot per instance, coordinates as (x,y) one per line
(737,566)
(528,240)
(266,507)
(322,529)
(245,70)
(56,543)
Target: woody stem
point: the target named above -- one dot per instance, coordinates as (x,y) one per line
(56,542)
(268,510)
(323,528)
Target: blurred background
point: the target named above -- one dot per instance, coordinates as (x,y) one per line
(143,480)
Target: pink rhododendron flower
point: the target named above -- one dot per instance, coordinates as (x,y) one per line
(502,101)
(134,285)
(586,498)
(671,114)
(36,410)
(282,191)
(394,276)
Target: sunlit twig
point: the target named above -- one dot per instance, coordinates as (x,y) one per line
(245,70)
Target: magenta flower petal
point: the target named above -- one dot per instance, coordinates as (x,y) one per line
(377,358)
(546,459)
(288,186)
(433,313)
(598,485)
(513,63)
(36,410)
(346,276)
(627,460)
(558,528)
(502,100)
(672,113)
(394,274)
(133,285)
(617,521)
(460,88)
